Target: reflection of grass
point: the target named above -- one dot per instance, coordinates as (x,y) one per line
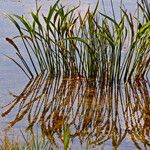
(73,109)
(64,42)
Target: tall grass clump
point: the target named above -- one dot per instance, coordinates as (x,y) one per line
(93,45)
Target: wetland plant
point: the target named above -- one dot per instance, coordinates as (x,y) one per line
(29,143)
(94,45)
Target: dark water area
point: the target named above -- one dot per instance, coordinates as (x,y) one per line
(105,117)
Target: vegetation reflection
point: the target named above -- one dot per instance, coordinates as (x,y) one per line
(71,109)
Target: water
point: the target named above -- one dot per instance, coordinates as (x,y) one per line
(127,117)
(109,117)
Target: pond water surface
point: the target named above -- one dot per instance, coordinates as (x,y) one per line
(108,118)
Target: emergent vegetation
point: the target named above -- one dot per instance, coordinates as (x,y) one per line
(65,43)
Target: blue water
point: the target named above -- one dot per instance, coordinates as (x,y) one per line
(11,77)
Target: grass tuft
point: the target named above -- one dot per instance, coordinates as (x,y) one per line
(65,43)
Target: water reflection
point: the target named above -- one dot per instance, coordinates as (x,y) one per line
(90,111)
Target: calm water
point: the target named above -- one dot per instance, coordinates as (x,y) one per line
(83,108)
(109,117)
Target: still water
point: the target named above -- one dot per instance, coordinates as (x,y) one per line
(106,117)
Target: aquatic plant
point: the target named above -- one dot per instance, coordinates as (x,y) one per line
(29,143)
(65,43)
(145,7)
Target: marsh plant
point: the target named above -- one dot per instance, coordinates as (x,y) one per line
(77,62)
(93,45)
(29,142)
